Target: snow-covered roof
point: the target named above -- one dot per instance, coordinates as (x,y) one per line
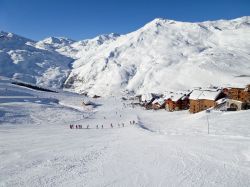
(210,94)
(175,96)
(226,100)
(160,101)
(146,97)
(222,100)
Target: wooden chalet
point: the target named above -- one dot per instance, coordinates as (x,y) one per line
(239,94)
(158,104)
(147,100)
(175,101)
(203,99)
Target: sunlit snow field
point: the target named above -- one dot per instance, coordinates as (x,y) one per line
(37,147)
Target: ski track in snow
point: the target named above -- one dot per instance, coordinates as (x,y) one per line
(37,148)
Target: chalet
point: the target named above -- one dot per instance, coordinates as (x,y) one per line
(148,99)
(240,94)
(158,104)
(203,99)
(176,101)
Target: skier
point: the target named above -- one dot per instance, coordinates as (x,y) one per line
(97,126)
(87,126)
(102,126)
(111,125)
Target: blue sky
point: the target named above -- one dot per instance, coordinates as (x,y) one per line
(81,19)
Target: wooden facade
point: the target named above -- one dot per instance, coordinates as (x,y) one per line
(236,94)
(240,94)
(180,104)
(204,99)
(172,105)
(200,105)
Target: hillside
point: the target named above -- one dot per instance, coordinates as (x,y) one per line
(162,55)
(20,59)
(166,54)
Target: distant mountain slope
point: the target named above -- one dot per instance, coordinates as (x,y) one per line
(75,49)
(162,55)
(20,59)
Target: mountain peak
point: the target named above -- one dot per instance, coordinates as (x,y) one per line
(10,40)
(163,55)
(9,36)
(147,59)
(104,37)
(157,22)
(57,40)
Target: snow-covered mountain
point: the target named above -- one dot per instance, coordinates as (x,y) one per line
(162,55)
(47,62)
(20,59)
(54,43)
(166,54)
(72,48)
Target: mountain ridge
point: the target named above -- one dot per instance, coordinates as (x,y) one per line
(162,55)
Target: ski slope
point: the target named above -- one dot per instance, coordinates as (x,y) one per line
(37,147)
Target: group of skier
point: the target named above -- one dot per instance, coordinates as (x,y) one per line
(102,127)
(75,126)
(97,126)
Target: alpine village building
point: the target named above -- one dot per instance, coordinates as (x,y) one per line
(227,99)
(202,99)
(232,98)
(175,101)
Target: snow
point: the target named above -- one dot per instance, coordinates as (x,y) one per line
(19,59)
(37,147)
(163,149)
(205,94)
(159,101)
(162,55)
(146,97)
(166,55)
(175,95)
